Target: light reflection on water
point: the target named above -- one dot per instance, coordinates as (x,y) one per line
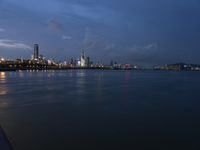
(2,76)
(3,90)
(80,85)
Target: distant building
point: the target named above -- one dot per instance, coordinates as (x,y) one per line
(183,66)
(83,60)
(177,67)
(72,61)
(88,62)
(111,63)
(78,63)
(36,52)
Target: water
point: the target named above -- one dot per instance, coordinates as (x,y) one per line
(103,110)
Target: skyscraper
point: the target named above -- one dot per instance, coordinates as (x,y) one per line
(83,61)
(36,51)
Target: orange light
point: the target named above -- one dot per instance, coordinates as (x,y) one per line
(2,75)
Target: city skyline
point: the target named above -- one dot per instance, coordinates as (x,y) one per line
(137,32)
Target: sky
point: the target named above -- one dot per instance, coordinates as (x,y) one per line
(127,31)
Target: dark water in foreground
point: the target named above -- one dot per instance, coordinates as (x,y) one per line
(103,110)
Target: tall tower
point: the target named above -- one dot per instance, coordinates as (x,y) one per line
(36,51)
(83,54)
(83,61)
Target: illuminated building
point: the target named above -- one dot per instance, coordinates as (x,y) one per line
(83,60)
(78,63)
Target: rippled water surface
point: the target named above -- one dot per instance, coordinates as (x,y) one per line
(104,110)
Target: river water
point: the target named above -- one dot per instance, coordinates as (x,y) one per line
(103,110)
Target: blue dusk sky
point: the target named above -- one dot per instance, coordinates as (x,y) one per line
(132,31)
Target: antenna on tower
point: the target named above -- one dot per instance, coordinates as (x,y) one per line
(83,54)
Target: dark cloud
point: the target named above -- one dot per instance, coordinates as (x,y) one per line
(91,40)
(55,25)
(99,47)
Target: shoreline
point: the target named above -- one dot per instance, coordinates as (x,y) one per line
(109,69)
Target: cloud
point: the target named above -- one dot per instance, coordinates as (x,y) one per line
(151,46)
(11,44)
(96,13)
(97,46)
(141,49)
(66,37)
(143,53)
(110,46)
(92,40)
(2,30)
(92,11)
(55,25)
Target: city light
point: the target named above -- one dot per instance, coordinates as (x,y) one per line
(39,62)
